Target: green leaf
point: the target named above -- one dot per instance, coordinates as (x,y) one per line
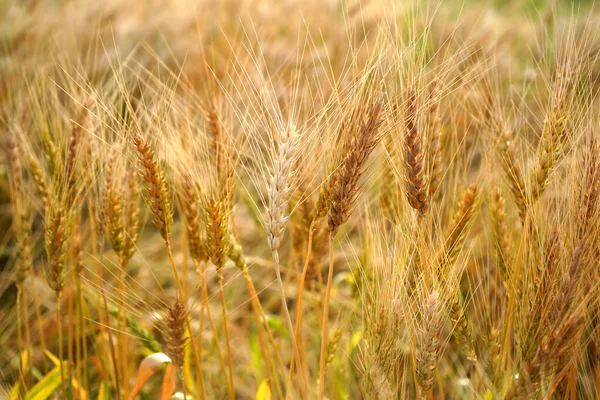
(44,388)
(488,395)
(256,356)
(103,392)
(354,341)
(264,391)
(14,392)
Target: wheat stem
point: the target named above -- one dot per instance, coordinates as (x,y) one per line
(229,359)
(205,305)
(60,347)
(325,322)
(299,301)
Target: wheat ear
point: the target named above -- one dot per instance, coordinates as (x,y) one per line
(417,188)
(428,341)
(278,193)
(344,194)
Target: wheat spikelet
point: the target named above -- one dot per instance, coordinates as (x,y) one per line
(434,133)
(72,147)
(388,197)
(563,325)
(40,180)
(279,189)
(175,339)
(543,301)
(156,186)
(554,131)
(346,182)
(190,205)
(508,161)
(114,211)
(458,226)
(324,199)
(217,141)
(569,282)
(548,357)
(332,345)
(217,233)
(16,168)
(221,150)
(417,188)
(501,241)
(589,189)
(52,157)
(428,340)
(56,248)
(217,246)
(21,213)
(462,330)
(131,217)
(494,346)
(318,252)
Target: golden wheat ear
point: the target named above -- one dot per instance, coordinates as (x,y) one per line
(417,188)
(158,198)
(428,339)
(175,339)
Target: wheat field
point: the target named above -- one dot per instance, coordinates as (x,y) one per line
(338,199)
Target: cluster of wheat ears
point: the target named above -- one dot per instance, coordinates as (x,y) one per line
(299,201)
